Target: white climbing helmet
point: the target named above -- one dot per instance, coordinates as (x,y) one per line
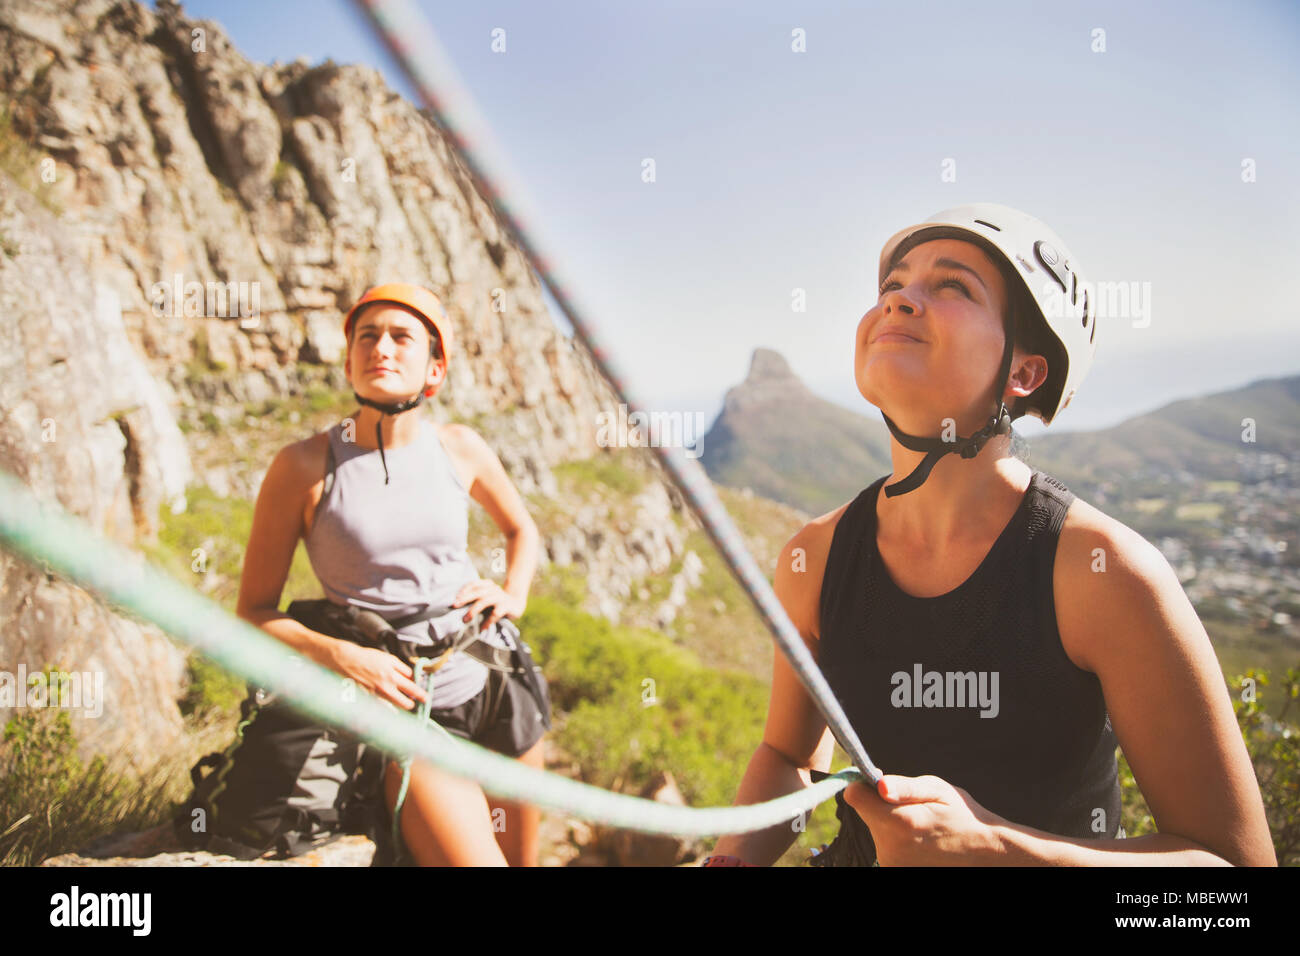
(1052,277)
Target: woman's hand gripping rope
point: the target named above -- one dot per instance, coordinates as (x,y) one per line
(383,674)
(926,821)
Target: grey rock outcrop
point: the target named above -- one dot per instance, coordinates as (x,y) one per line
(86,427)
(158,847)
(215,217)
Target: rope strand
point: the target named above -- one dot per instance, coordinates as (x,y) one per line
(45,535)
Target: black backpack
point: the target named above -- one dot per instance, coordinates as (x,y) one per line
(285,782)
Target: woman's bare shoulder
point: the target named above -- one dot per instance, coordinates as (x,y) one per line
(1096,555)
(800,568)
(461,438)
(1087,528)
(301,464)
(815,536)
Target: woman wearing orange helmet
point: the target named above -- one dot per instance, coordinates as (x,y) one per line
(990,636)
(381,503)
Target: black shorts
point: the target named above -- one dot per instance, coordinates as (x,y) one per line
(504,716)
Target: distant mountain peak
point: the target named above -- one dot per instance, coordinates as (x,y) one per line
(768,365)
(778,437)
(770,381)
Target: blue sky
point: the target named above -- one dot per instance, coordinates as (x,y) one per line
(778,170)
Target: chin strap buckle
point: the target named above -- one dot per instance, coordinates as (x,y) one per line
(999,424)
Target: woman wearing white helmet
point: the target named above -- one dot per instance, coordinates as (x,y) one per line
(990,636)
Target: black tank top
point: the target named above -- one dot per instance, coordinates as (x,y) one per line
(972,686)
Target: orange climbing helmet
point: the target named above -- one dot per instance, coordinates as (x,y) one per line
(429,308)
(419,300)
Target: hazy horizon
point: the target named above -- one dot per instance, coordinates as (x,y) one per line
(1026,426)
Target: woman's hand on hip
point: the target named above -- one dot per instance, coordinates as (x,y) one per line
(925,821)
(484,593)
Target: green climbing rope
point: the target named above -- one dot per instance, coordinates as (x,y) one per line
(47,536)
(426,685)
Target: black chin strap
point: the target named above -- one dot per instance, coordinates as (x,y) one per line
(395,409)
(998,424)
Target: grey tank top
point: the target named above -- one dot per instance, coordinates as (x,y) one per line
(399,548)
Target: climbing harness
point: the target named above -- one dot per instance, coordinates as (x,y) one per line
(425,667)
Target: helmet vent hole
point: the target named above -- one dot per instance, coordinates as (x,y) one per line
(981,222)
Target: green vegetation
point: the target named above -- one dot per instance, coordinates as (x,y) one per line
(606,480)
(1273,744)
(603,676)
(321,399)
(203,548)
(1199,511)
(1274,748)
(1135,815)
(1241,646)
(1223,487)
(566,586)
(717,623)
(278,409)
(708,676)
(607,471)
(703,724)
(51,802)
(201,365)
(210,689)
(765,524)
(803,451)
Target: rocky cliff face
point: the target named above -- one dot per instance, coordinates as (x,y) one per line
(204,222)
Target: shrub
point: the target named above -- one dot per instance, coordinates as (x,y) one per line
(1274,747)
(606,470)
(210,688)
(51,803)
(637,704)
